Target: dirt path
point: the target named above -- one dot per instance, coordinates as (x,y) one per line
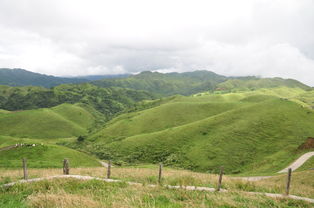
(298,163)
(295,165)
(253,178)
(8,147)
(189,188)
(104,164)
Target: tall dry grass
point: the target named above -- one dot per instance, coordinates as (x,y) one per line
(302,182)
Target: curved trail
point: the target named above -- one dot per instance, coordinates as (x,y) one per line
(295,165)
(298,163)
(8,147)
(188,188)
(104,164)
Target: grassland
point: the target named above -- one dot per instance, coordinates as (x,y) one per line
(250,132)
(308,164)
(62,121)
(45,156)
(302,181)
(74,193)
(45,153)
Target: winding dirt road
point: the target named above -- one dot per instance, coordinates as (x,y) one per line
(295,165)
(298,163)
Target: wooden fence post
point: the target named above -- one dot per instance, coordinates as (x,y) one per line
(109,169)
(288,181)
(25,169)
(220,178)
(160,173)
(66,168)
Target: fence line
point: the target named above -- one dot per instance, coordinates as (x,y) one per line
(66,171)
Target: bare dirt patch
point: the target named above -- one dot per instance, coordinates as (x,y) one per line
(308,144)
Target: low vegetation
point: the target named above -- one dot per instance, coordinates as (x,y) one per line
(94,193)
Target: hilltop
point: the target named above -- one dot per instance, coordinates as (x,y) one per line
(168,83)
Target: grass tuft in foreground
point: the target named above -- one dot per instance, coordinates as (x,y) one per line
(74,193)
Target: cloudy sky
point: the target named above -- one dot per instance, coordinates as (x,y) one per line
(75,37)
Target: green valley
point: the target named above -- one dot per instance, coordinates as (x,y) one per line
(246,132)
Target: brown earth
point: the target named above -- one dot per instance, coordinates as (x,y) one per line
(308,144)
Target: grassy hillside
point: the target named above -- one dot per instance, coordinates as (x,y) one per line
(308,165)
(45,156)
(62,121)
(249,132)
(108,101)
(253,83)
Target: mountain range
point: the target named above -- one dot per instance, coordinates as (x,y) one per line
(21,77)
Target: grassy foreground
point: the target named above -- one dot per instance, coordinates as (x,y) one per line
(302,181)
(75,193)
(96,194)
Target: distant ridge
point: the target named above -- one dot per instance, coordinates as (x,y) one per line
(21,77)
(189,83)
(99,77)
(162,84)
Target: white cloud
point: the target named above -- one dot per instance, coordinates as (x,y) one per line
(76,37)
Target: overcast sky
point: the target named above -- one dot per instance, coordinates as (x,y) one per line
(243,37)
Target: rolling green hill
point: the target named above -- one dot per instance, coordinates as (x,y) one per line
(62,121)
(45,156)
(246,132)
(252,83)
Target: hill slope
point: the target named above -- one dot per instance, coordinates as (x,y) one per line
(108,101)
(45,156)
(62,121)
(255,132)
(252,83)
